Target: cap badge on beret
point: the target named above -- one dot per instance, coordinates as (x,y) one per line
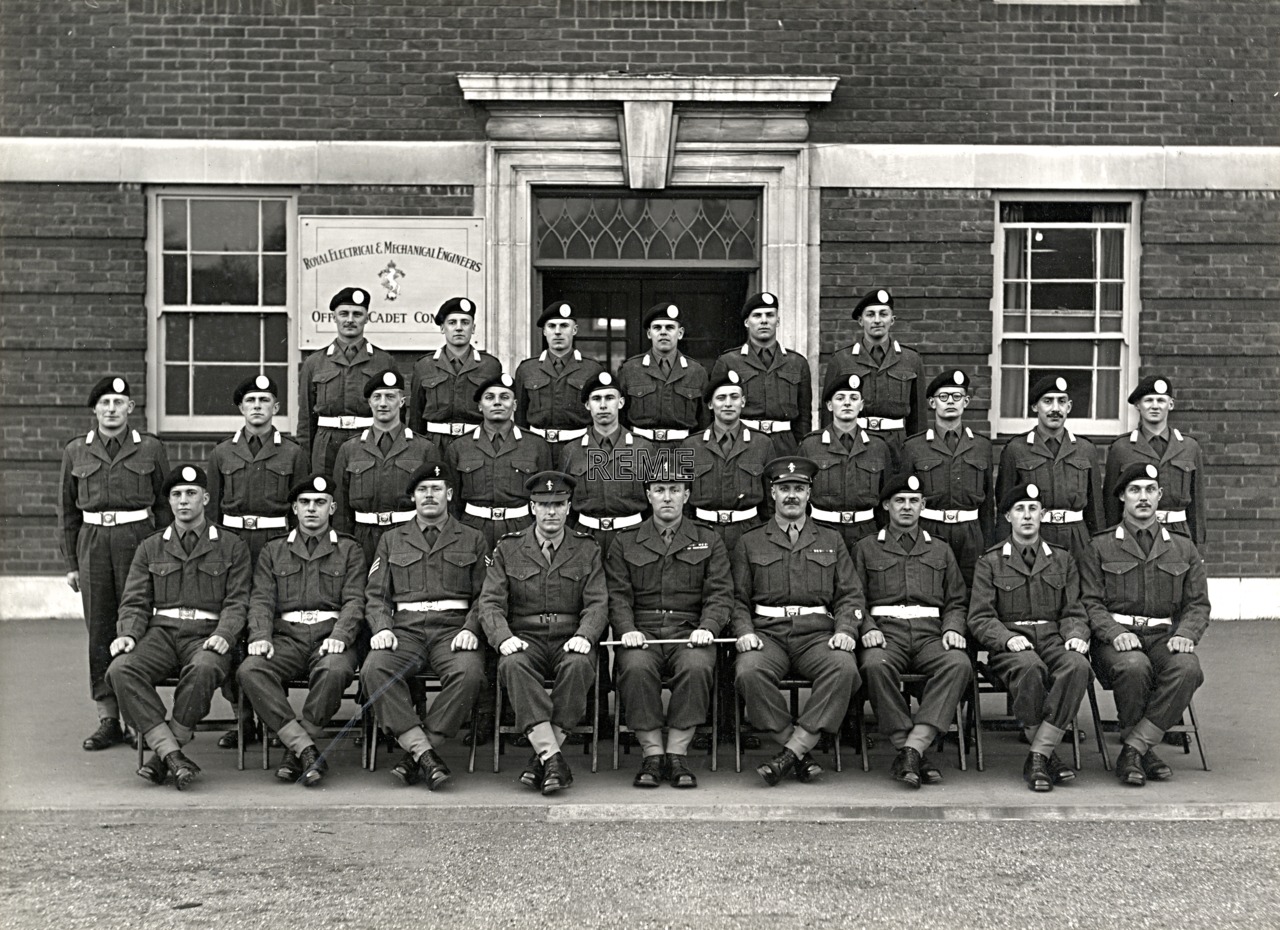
(1033,492)
(389,378)
(551,485)
(436,471)
(913,483)
(465,305)
(1060,384)
(882,296)
(262,382)
(117,385)
(320,484)
(855,382)
(732,377)
(506,380)
(188,474)
(564,310)
(791,467)
(957,377)
(1161,386)
(767,298)
(358,297)
(605,378)
(1152,472)
(672,311)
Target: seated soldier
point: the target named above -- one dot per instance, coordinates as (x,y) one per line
(1025,610)
(305,613)
(668,580)
(797,611)
(183,606)
(543,607)
(420,599)
(915,623)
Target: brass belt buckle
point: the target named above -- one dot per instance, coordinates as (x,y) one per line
(347,422)
(846,516)
(950,516)
(766,426)
(660,435)
(1162,516)
(724,516)
(186,613)
(497,513)
(384,519)
(553,435)
(250,523)
(606,523)
(455,429)
(309,616)
(547,618)
(873,423)
(1141,622)
(108,519)
(791,611)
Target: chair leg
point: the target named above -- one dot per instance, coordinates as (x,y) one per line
(737,731)
(1075,742)
(975,712)
(497,721)
(369,727)
(1097,727)
(617,726)
(595,720)
(1195,727)
(836,749)
(715,714)
(964,763)
(864,743)
(475,733)
(240,732)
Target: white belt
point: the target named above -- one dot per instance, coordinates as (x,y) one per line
(765,610)
(498,513)
(450,429)
(843,516)
(309,617)
(187,613)
(430,606)
(254,523)
(1062,516)
(1140,622)
(949,516)
(610,523)
(906,612)
(724,516)
(558,435)
(661,435)
(768,426)
(114,517)
(345,422)
(385,518)
(1029,622)
(881,423)
(1171,516)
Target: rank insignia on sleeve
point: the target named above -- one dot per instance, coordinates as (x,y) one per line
(488,560)
(377,563)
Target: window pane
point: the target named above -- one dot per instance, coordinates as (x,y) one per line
(1070,354)
(1112,254)
(274,287)
(1108,400)
(1079,386)
(175,279)
(1062,253)
(224,279)
(176,396)
(217,383)
(1013,397)
(177,345)
(1013,353)
(175,223)
(226,337)
(1062,321)
(1109,353)
(224,225)
(275,337)
(1112,308)
(274,235)
(281,375)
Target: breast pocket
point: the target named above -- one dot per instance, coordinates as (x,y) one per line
(89,481)
(898,386)
(1123,581)
(457,572)
(820,569)
(885,578)
(1169,578)
(405,570)
(688,568)
(139,473)
(973,476)
(768,570)
(1013,599)
(867,474)
(211,576)
(279,478)
(361,480)
(1077,474)
(687,400)
(1178,481)
(328,385)
(166,582)
(288,581)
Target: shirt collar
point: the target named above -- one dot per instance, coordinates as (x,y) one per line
(554,540)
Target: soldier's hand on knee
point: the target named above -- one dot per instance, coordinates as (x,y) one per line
(73,581)
(842,641)
(1125,642)
(1181,644)
(383,639)
(217,644)
(952,640)
(1076,644)
(1018,644)
(701,638)
(512,645)
(465,641)
(578,644)
(872,639)
(749,641)
(262,647)
(332,647)
(634,640)
(122,644)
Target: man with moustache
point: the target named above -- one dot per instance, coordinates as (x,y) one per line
(663,386)
(548,387)
(443,382)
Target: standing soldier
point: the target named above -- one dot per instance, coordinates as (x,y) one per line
(852,465)
(668,579)
(443,380)
(776,380)
(330,408)
(1148,601)
(1025,611)
(548,387)
(892,374)
(915,623)
(1062,465)
(305,613)
(954,466)
(1177,458)
(663,387)
(371,469)
(182,608)
(420,602)
(797,610)
(111,498)
(543,607)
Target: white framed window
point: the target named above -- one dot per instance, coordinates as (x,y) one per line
(221,295)
(1065,302)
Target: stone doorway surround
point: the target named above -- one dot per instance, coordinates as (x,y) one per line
(649,133)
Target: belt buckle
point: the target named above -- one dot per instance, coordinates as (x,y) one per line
(873,422)
(384,518)
(186,613)
(846,516)
(950,516)
(1162,516)
(1057,516)
(791,611)
(108,518)
(1141,622)
(553,435)
(547,618)
(766,426)
(455,429)
(347,422)
(724,516)
(497,513)
(309,616)
(250,523)
(660,435)
(606,523)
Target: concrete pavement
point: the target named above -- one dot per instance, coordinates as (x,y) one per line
(46,776)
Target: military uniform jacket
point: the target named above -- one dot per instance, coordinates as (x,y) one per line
(405,570)
(959,480)
(893,389)
(1181,477)
(655,403)
(241,484)
(1169,582)
(438,394)
(1067,481)
(496,479)
(520,585)
(549,399)
(370,482)
(331,385)
(816,572)
(781,391)
(1006,591)
(728,482)
(610,484)
(691,577)
(846,480)
(91,480)
(289,578)
(214,577)
(926,575)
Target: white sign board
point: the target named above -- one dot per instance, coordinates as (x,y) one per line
(409,264)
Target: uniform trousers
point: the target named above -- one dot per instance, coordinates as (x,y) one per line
(965,540)
(104,554)
(325,445)
(1047,683)
(687,671)
(386,676)
(162,653)
(523,675)
(1150,681)
(914,646)
(327,677)
(255,540)
(833,672)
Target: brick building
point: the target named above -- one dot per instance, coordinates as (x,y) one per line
(1042,185)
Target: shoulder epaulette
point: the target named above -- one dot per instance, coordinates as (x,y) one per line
(582,535)
(515,535)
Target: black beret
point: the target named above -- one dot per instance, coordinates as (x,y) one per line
(383,380)
(430,470)
(1049,384)
(499,380)
(184,474)
(877,298)
(1151,384)
(791,468)
(550,486)
(455,305)
(903,483)
(258,384)
(556,310)
(349,295)
(664,470)
(662,311)
(601,382)
(1138,471)
(111,384)
(312,484)
(1019,492)
(851,383)
(729,379)
(762,301)
(952,378)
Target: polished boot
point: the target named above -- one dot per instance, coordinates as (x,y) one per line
(906,767)
(807,768)
(107,735)
(406,769)
(533,773)
(434,772)
(183,770)
(1059,771)
(557,775)
(1035,772)
(231,738)
(290,769)
(930,774)
(1129,767)
(678,772)
(1155,768)
(650,774)
(777,768)
(313,765)
(154,770)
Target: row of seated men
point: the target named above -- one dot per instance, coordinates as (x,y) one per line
(793,599)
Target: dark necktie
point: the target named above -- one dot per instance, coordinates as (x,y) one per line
(1145,539)
(1054,444)
(431,534)
(548,550)
(457,364)
(664,366)
(952,440)
(113,447)
(558,365)
(497,442)
(877,354)
(312,542)
(1159,444)
(255,445)
(350,352)
(766,356)
(726,443)
(384,442)
(1029,556)
(606,443)
(667,535)
(188,540)
(847,440)
(792,533)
